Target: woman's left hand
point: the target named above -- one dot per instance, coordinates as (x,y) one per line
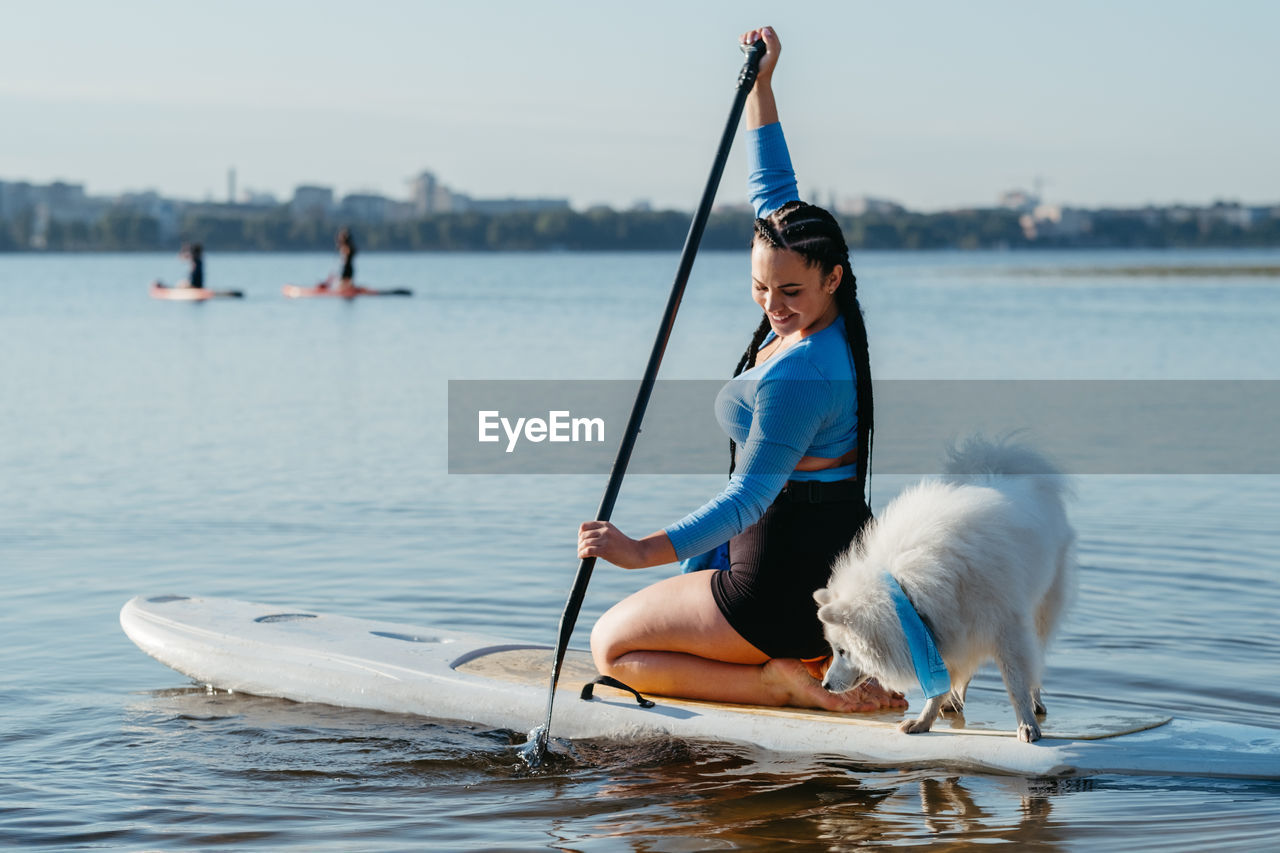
(601,539)
(772,50)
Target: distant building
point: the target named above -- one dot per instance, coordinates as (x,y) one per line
(1055,222)
(164,211)
(401,211)
(225,211)
(368,208)
(258,198)
(67,202)
(310,202)
(1229,213)
(13,198)
(46,204)
(446,200)
(428,195)
(1021,201)
(422,193)
(58,201)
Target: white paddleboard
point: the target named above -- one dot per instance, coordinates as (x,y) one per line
(305,656)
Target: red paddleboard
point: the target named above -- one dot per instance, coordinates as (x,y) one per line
(293,291)
(191,294)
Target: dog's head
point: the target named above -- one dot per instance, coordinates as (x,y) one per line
(847,669)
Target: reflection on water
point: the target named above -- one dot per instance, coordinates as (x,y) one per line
(652,793)
(326,774)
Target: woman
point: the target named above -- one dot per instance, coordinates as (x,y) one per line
(193,253)
(347,251)
(799,409)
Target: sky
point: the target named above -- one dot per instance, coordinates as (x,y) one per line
(936,105)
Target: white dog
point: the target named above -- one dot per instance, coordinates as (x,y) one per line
(984,555)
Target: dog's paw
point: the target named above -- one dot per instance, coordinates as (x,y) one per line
(1028,732)
(914,727)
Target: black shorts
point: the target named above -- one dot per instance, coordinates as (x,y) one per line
(775,565)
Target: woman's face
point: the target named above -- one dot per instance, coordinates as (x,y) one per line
(795,296)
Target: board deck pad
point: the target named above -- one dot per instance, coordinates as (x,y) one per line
(984,715)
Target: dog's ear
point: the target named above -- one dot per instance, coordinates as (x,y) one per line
(822,596)
(835,613)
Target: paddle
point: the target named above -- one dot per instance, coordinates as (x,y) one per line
(533,751)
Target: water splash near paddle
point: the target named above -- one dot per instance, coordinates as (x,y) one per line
(534,749)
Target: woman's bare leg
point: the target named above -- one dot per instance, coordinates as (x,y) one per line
(671,639)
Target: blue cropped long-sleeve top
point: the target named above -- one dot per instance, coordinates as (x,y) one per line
(801,402)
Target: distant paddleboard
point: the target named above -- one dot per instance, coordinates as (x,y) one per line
(293,291)
(306,656)
(191,294)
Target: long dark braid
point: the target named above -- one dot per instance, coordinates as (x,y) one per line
(747,362)
(815,235)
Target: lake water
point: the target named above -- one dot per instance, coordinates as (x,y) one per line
(294,453)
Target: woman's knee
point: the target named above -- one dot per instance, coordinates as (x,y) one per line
(640,622)
(606,639)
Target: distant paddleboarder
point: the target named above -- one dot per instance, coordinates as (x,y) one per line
(346,288)
(194,254)
(347,251)
(192,288)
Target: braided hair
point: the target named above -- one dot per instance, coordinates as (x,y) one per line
(815,235)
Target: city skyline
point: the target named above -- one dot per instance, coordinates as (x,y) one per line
(426,194)
(931,105)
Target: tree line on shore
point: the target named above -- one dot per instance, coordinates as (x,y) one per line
(608,230)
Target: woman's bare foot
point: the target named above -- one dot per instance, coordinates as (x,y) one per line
(793,686)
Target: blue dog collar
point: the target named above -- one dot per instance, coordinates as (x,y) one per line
(931,671)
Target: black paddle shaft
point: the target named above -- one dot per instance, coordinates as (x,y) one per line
(746,79)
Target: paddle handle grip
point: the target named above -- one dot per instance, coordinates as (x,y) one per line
(755,52)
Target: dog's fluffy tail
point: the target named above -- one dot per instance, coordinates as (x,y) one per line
(977,458)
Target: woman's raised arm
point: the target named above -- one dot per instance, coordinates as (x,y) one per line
(771,180)
(761,108)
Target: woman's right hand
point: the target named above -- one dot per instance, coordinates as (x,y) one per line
(601,539)
(772,49)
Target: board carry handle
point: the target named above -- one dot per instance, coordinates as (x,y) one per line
(588,690)
(533,751)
